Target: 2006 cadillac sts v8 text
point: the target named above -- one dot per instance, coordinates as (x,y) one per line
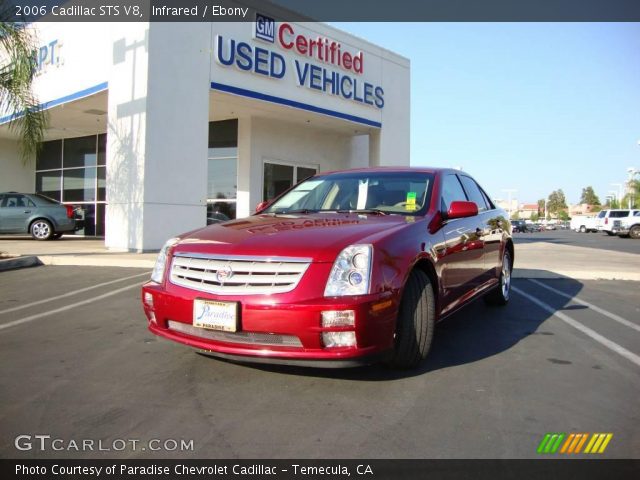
(346,268)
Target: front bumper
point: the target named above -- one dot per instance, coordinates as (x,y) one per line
(276,332)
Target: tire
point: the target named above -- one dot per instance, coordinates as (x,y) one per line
(416,322)
(583,229)
(634,232)
(57,236)
(41,229)
(501,294)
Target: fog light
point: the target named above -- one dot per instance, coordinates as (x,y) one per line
(148,299)
(339,339)
(338,318)
(152,317)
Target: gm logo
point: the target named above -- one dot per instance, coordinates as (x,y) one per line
(265,28)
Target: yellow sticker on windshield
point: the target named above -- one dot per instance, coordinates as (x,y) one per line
(411,201)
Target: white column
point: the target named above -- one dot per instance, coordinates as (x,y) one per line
(247,198)
(157,133)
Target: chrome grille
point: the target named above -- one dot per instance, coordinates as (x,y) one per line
(237,275)
(250,338)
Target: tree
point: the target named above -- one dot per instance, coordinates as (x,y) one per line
(515,215)
(589,196)
(535,217)
(633,197)
(541,203)
(556,202)
(17,50)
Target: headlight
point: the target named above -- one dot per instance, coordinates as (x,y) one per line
(351,272)
(158,269)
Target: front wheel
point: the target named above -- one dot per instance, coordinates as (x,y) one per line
(41,230)
(416,322)
(500,295)
(634,232)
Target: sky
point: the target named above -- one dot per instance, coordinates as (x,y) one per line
(531,107)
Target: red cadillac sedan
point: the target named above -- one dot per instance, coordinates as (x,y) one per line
(346,268)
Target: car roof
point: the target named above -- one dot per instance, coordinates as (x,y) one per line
(395,169)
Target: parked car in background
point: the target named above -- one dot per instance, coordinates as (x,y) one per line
(628,226)
(37,215)
(519,226)
(534,227)
(346,268)
(584,223)
(607,217)
(550,226)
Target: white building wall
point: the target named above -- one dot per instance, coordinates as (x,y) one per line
(158,129)
(14,175)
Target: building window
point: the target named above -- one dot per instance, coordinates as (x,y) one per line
(279,177)
(73,171)
(222,176)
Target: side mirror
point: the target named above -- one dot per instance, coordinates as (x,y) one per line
(261,206)
(462,210)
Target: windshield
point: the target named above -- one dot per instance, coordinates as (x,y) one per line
(405,193)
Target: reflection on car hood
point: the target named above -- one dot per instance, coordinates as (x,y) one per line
(319,236)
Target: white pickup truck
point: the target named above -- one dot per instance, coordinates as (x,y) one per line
(584,223)
(628,226)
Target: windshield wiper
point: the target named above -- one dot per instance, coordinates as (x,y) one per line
(377,211)
(299,210)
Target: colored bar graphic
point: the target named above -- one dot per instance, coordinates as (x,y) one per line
(551,442)
(573,443)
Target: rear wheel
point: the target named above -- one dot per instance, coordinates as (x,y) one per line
(500,295)
(634,232)
(583,229)
(41,230)
(416,322)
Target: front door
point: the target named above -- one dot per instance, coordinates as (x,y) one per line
(15,210)
(464,248)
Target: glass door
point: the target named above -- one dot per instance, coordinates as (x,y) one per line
(279,177)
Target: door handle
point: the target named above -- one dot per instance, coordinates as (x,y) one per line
(27,211)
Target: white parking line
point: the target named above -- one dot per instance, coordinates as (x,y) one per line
(66,307)
(620,350)
(72,293)
(593,307)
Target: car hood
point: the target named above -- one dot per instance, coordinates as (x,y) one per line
(319,236)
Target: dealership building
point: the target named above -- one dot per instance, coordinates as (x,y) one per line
(160,128)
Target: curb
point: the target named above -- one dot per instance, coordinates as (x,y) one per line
(19,262)
(96,261)
(575,274)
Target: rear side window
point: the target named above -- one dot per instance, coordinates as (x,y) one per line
(451,191)
(46,200)
(620,214)
(473,192)
(602,214)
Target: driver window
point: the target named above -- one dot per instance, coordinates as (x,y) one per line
(451,191)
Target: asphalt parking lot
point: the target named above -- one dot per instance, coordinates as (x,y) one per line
(597,240)
(77,363)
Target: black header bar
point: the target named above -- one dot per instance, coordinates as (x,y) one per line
(322,10)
